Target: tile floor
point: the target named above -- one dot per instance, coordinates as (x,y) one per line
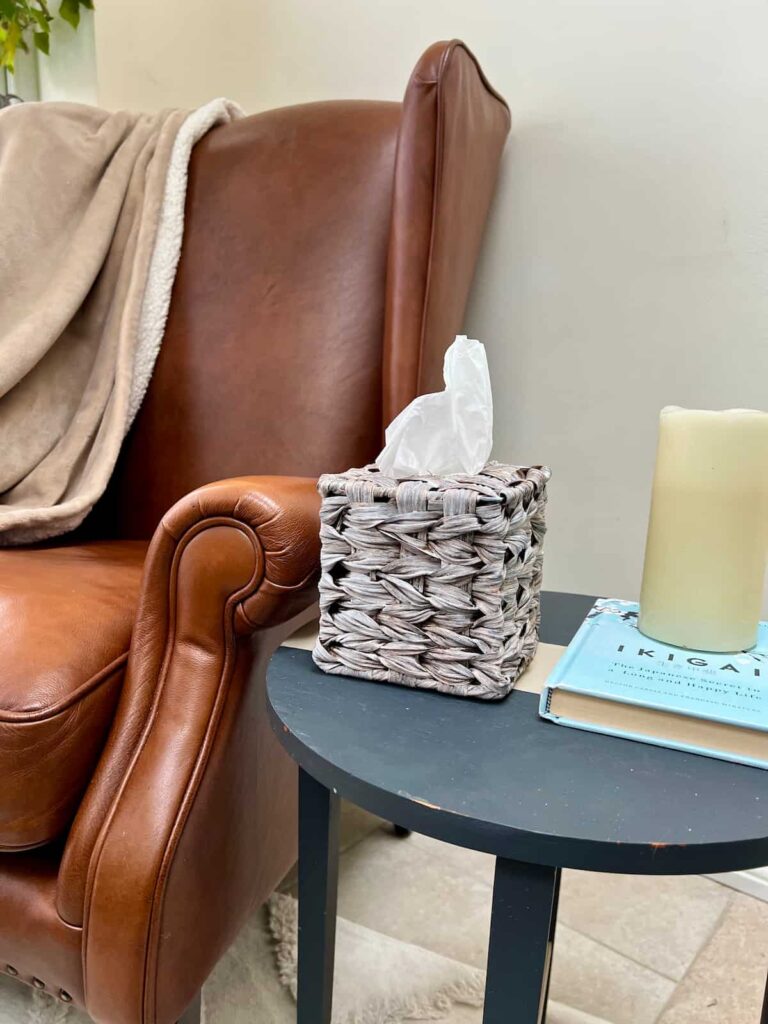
(629,950)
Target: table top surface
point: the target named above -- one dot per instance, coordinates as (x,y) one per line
(493,776)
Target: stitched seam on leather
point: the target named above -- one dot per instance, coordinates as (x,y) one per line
(439,147)
(83,691)
(180,545)
(68,802)
(64,803)
(458,44)
(435,193)
(279,587)
(24,849)
(98,846)
(149,998)
(197,775)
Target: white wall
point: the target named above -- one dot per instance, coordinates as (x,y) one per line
(69,73)
(626,266)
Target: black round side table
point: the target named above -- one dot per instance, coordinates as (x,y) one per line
(495,777)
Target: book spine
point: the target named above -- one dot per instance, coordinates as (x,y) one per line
(624,734)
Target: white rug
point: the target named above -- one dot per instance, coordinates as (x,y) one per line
(379,980)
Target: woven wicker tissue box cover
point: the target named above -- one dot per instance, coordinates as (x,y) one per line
(432,583)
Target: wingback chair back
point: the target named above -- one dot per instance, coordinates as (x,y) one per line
(327,260)
(147,804)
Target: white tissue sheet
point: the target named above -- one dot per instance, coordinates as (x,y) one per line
(450,431)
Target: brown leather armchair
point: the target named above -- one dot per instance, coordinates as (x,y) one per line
(145,806)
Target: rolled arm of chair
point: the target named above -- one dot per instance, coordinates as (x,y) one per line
(280,517)
(183,821)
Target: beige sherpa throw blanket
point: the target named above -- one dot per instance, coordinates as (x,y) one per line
(90,235)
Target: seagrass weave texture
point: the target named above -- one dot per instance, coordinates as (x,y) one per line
(432,583)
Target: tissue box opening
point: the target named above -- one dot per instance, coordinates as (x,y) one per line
(429,582)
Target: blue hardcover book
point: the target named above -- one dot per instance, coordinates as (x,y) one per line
(614,680)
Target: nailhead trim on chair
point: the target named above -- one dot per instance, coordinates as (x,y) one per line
(64,996)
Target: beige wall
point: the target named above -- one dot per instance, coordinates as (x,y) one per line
(627,263)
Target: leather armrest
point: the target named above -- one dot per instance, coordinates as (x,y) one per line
(173,811)
(282,516)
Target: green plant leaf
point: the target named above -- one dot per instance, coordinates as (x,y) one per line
(11,41)
(69,10)
(41,18)
(29,21)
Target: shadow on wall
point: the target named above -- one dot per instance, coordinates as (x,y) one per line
(616,278)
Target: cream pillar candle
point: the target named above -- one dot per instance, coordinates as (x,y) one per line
(708,533)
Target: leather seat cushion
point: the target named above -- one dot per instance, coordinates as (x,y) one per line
(66,615)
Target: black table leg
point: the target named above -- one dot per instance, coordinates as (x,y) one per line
(551,945)
(318,883)
(522,931)
(764,1015)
